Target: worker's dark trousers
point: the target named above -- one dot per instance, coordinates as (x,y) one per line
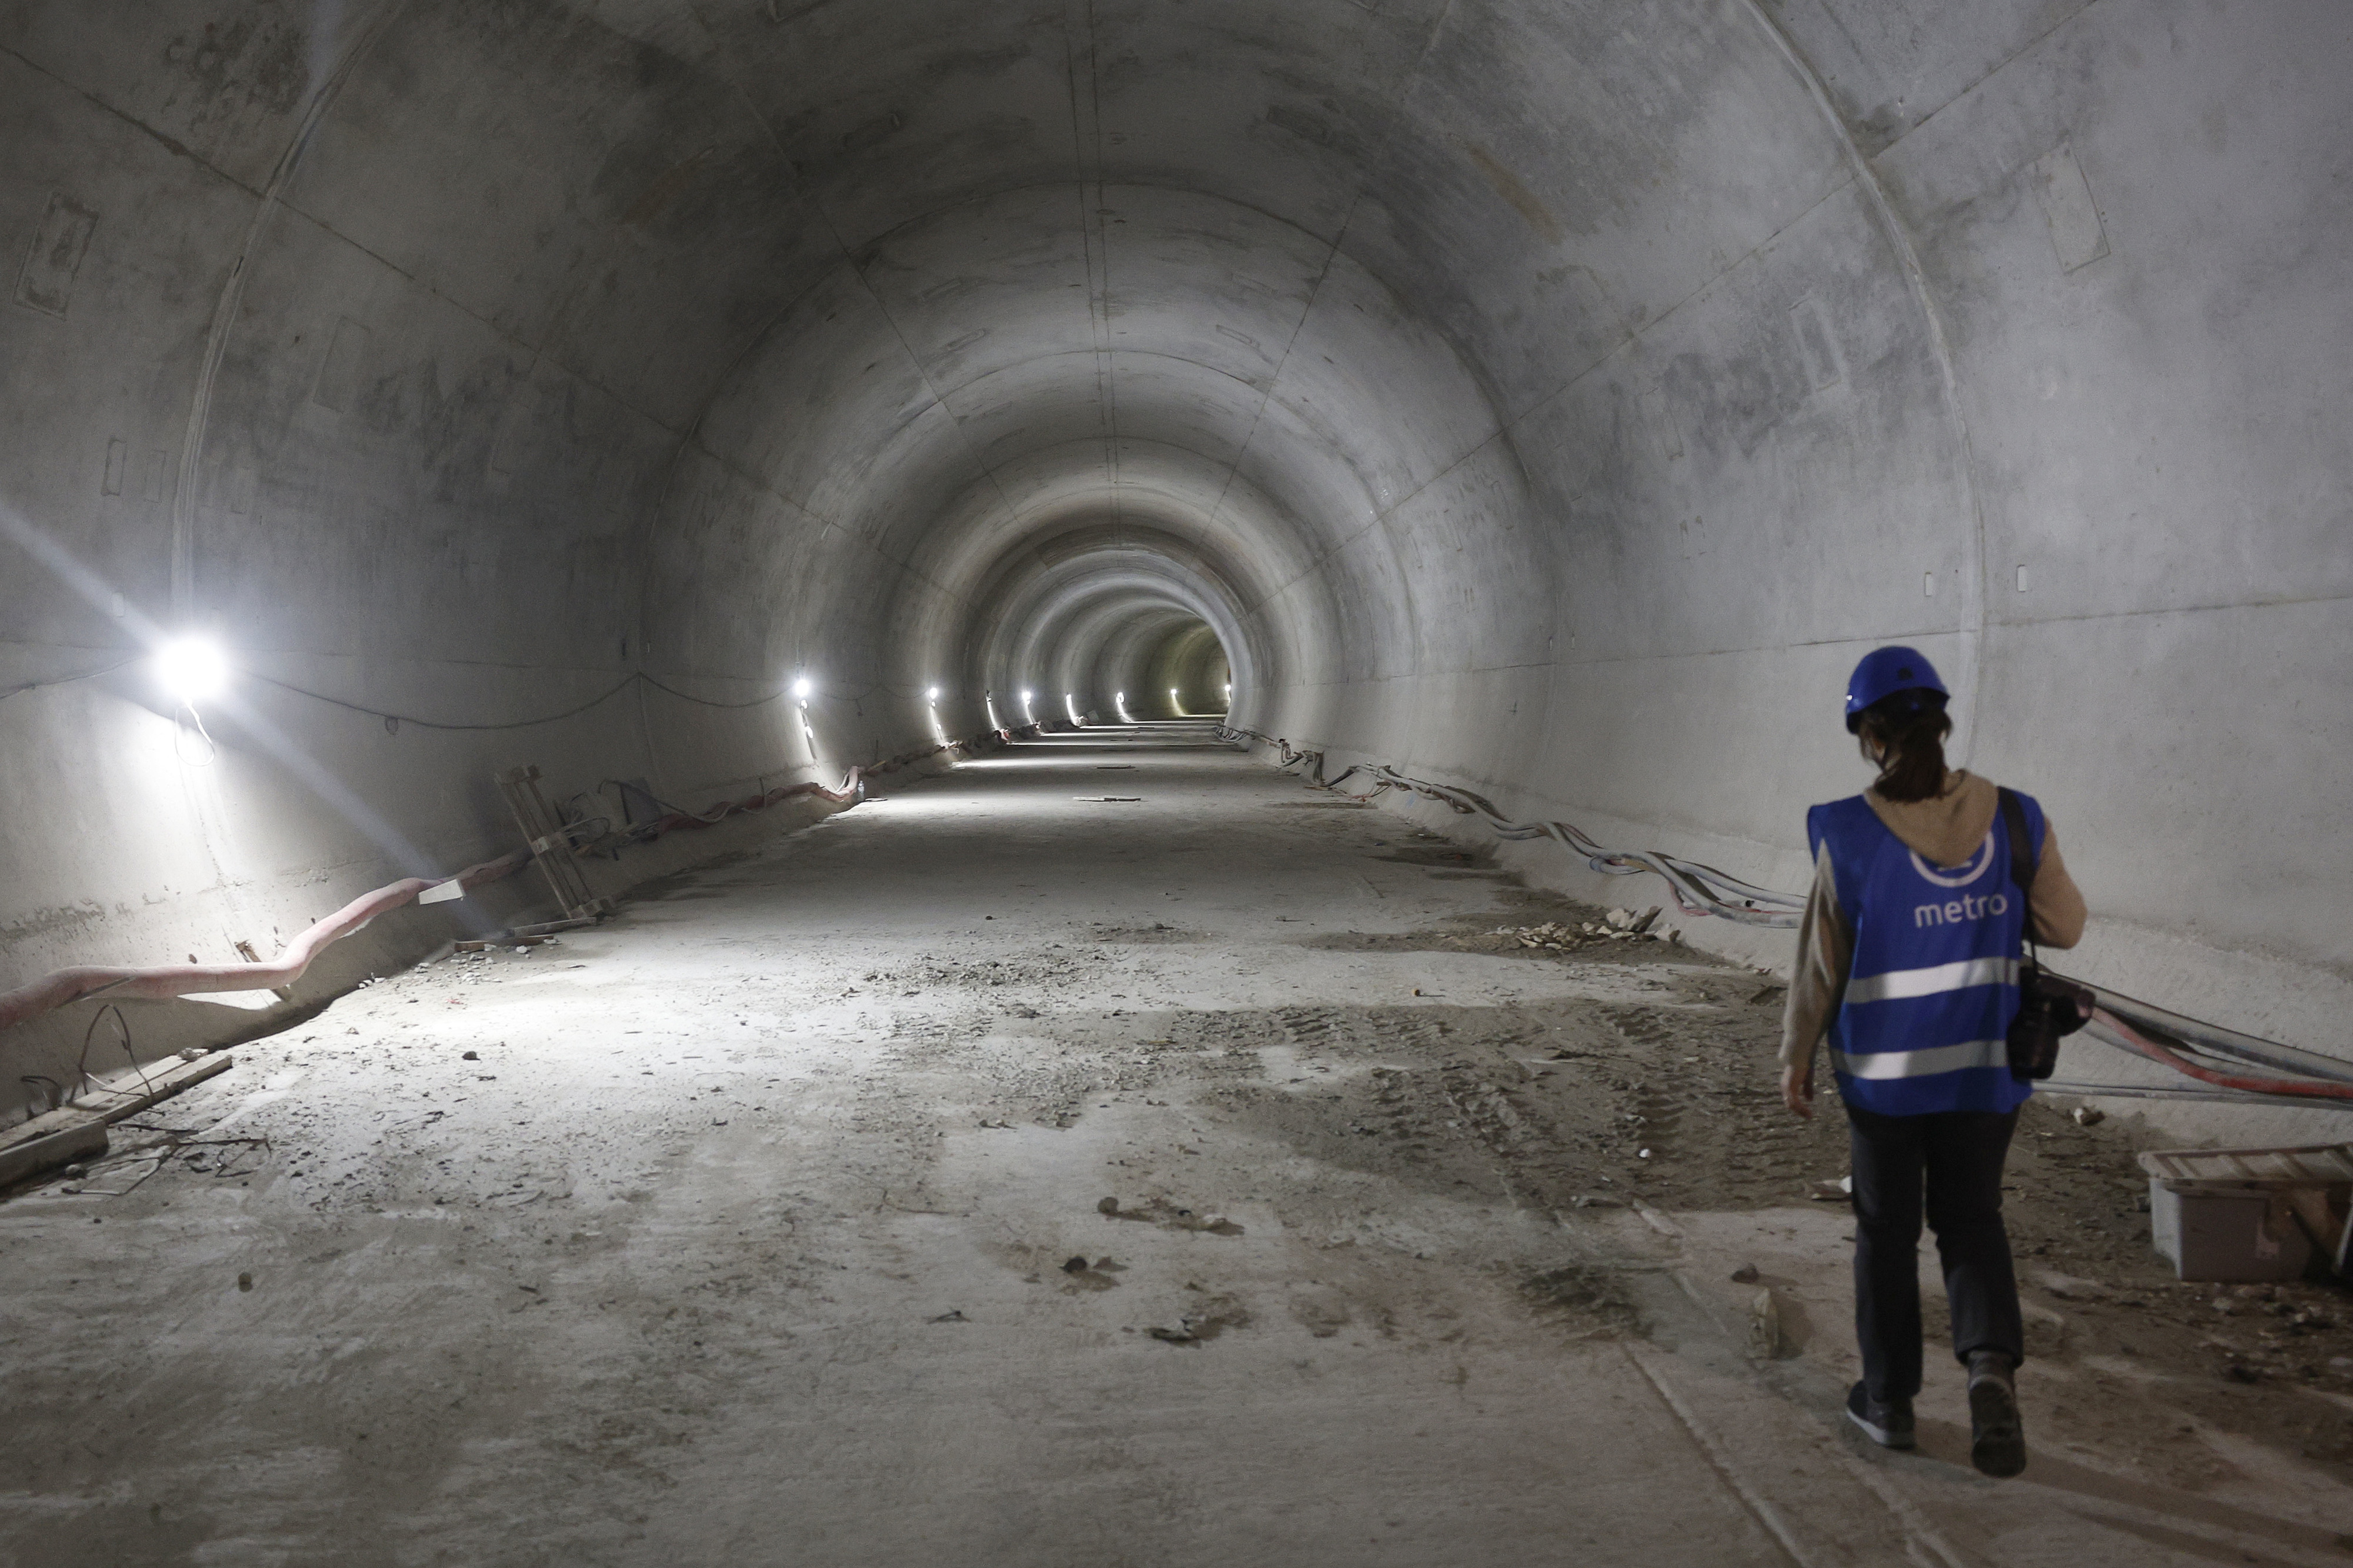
(1960,1154)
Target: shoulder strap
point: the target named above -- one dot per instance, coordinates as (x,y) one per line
(2023,860)
(2023,865)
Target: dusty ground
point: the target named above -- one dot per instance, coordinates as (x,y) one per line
(999,1176)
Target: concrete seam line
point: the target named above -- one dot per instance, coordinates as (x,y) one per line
(1721,1462)
(224,317)
(1916,279)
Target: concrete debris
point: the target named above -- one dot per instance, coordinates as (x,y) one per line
(1168,1216)
(1205,1322)
(1618,926)
(2086,1116)
(1832,1192)
(1745,1275)
(1767,1341)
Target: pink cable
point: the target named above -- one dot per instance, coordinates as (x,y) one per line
(163,981)
(2299,1087)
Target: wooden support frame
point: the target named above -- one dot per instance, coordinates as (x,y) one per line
(550,849)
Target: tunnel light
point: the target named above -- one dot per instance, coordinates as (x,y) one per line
(1027,715)
(1070,702)
(192,670)
(931,694)
(801,687)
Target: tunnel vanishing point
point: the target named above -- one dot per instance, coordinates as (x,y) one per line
(974,438)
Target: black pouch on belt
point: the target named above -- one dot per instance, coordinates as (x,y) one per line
(2049,1008)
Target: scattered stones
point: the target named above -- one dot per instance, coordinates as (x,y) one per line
(1745,1275)
(1168,1216)
(1205,1322)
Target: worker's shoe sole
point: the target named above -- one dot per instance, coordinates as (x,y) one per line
(1998,1437)
(1889,1426)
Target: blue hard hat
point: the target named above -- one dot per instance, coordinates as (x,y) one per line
(1882,673)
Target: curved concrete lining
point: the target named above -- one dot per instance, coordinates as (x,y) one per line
(1552,399)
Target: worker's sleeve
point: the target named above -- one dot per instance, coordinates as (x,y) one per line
(1817,983)
(2055,902)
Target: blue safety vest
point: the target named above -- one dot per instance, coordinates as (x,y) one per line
(1925,1023)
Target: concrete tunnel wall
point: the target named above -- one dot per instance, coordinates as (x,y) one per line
(1552,398)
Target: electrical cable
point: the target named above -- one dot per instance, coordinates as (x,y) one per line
(67,680)
(709,702)
(604,696)
(2141,1028)
(81,1064)
(1697,889)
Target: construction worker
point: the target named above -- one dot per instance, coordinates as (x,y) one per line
(1908,959)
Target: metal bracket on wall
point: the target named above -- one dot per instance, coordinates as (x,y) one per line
(550,849)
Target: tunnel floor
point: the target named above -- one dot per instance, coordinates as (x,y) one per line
(1010,1171)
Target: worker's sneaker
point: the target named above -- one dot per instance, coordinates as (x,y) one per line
(1997,1435)
(1888,1424)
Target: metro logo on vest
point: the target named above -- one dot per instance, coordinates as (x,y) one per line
(1924,1023)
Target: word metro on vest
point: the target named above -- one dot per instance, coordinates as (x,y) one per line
(1924,1024)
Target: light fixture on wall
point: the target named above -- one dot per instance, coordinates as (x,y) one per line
(988,700)
(801,689)
(1070,702)
(192,670)
(1178,708)
(1026,713)
(1119,700)
(931,694)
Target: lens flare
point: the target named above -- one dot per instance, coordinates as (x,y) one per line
(192,668)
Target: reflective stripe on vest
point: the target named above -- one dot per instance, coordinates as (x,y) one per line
(1922,1064)
(1898,984)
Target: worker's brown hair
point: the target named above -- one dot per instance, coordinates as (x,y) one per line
(1904,734)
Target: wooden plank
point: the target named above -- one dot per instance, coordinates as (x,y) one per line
(112,1103)
(60,1146)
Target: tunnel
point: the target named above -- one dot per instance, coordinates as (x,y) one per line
(1029,780)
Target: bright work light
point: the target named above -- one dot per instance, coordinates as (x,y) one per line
(193,670)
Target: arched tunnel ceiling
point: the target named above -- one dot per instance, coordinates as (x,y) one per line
(876,257)
(1557,395)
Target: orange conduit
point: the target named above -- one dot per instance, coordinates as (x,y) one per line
(163,982)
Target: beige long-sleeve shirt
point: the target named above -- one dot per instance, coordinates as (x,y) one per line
(1945,830)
